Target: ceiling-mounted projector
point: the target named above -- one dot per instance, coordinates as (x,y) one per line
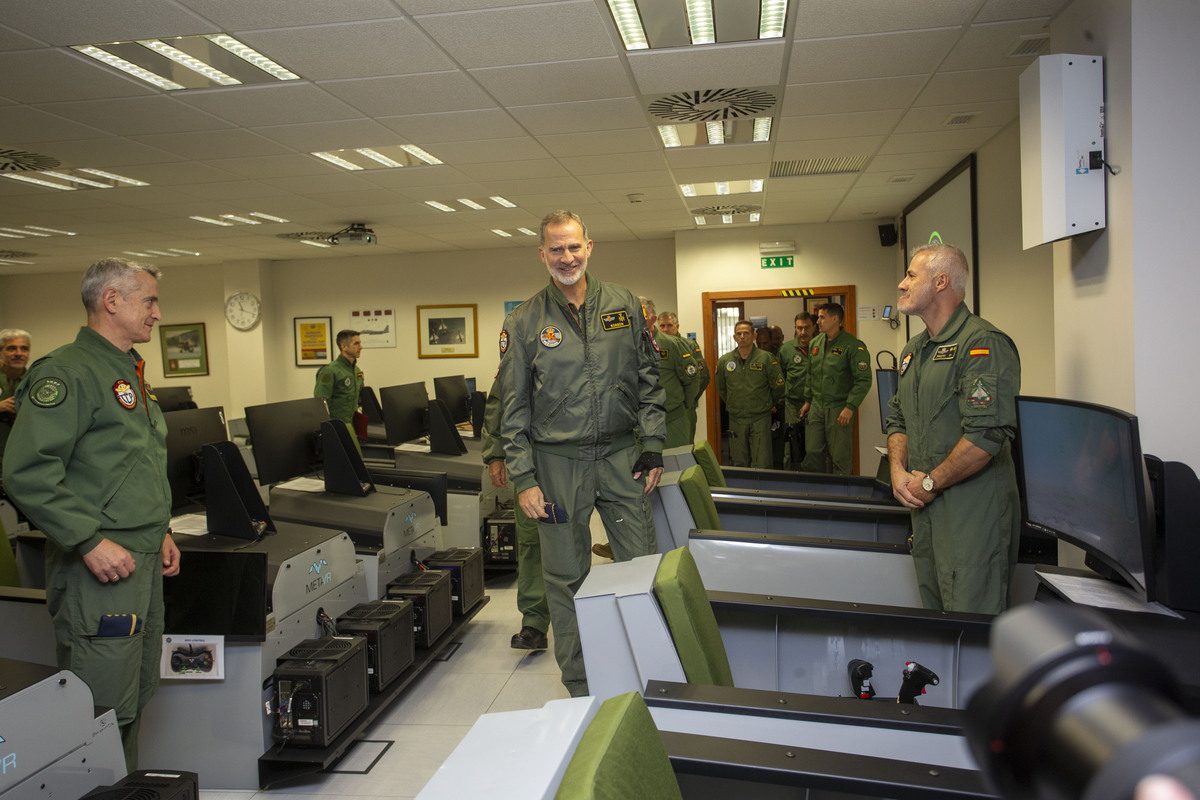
(355,234)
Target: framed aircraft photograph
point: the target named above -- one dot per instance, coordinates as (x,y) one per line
(184,350)
(447,332)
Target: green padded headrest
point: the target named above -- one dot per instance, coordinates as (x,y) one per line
(684,602)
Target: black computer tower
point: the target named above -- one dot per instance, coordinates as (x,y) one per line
(429,591)
(500,537)
(320,688)
(387,626)
(465,565)
(158,784)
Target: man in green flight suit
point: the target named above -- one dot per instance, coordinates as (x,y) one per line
(14,359)
(839,377)
(678,376)
(950,431)
(87,463)
(668,322)
(340,382)
(531,586)
(793,360)
(750,383)
(579,389)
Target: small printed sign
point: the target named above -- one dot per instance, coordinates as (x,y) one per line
(777,262)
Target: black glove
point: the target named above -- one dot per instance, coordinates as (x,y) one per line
(646,462)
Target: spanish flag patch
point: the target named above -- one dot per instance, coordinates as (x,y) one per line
(980,351)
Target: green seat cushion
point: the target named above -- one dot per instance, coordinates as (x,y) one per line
(684,602)
(620,756)
(708,461)
(699,499)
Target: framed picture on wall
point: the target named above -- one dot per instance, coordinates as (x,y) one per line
(447,332)
(314,341)
(184,350)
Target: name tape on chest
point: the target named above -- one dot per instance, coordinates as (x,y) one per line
(614,320)
(837,351)
(946,352)
(755,366)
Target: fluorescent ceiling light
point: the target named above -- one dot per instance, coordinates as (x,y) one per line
(720,187)
(10,236)
(338,161)
(688,189)
(419,153)
(629,24)
(40,182)
(136,253)
(111,176)
(163,253)
(127,67)
(49,230)
(267,217)
(754,216)
(212,221)
(669,135)
(12,261)
(715,132)
(756,185)
(772,16)
(727,219)
(506,203)
(776,248)
(243,220)
(440,206)
(252,56)
(183,252)
(470,204)
(22,233)
(700,21)
(700,220)
(190,62)
(375,155)
(762,129)
(499,232)
(315,243)
(75,179)
(527,232)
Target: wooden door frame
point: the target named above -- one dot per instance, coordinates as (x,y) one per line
(708,299)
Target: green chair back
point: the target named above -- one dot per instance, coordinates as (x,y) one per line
(8,562)
(684,602)
(620,756)
(699,499)
(708,461)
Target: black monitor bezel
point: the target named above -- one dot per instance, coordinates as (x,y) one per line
(299,456)
(183,471)
(454,392)
(401,408)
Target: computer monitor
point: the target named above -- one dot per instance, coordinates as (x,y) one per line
(405,412)
(1085,482)
(454,392)
(370,405)
(174,398)
(188,431)
(285,436)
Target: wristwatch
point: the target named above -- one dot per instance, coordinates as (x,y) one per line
(927,483)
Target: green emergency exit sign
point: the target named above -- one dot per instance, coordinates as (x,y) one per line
(777,262)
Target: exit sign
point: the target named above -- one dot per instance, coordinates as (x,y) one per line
(776,262)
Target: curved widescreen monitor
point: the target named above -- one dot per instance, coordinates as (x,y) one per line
(284,437)
(405,412)
(453,391)
(1085,482)
(188,431)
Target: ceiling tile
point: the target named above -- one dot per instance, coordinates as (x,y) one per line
(588,115)
(599,165)
(835,126)
(589,79)
(271,104)
(123,116)
(876,56)
(708,67)
(850,96)
(972,86)
(639,140)
(213,144)
(315,136)
(820,18)
(65,22)
(27,124)
(45,76)
(268,13)
(411,94)
(933,118)
(987,45)
(454,126)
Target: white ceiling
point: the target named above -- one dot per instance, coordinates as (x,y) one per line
(535,100)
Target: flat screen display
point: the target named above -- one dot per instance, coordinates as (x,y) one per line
(453,391)
(284,437)
(1085,481)
(187,432)
(405,412)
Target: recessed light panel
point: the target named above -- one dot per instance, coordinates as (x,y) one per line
(189,62)
(388,157)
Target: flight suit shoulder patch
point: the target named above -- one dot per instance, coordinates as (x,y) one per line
(980,396)
(904,363)
(48,393)
(503,343)
(126,396)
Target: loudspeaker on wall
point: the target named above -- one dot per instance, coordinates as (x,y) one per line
(888,235)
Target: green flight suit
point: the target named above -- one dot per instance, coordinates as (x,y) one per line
(678,376)
(340,383)
(750,387)
(702,380)
(793,360)
(839,376)
(531,586)
(576,382)
(87,460)
(962,383)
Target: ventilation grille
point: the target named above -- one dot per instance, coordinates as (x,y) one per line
(901,179)
(12,160)
(960,118)
(719,211)
(818,166)
(1026,46)
(709,105)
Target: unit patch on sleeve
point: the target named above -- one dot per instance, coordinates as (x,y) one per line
(980,397)
(691,369)
(503,343)
(124,393)
(48,392)
(614,320)
(975,352)
(904,363)
(550,336)
(946,352)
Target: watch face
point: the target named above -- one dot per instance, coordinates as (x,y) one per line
(243,310)
(927,483)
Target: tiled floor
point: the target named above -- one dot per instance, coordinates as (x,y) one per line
(485,674)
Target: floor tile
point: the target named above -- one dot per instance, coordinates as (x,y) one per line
(441,697)
(529,690)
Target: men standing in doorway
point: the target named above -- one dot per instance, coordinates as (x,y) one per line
(579,387)
(750,383)
(668,322)
(950,432)
(793,360)
(839,377)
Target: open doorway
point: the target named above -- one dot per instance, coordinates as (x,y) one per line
(720,310)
